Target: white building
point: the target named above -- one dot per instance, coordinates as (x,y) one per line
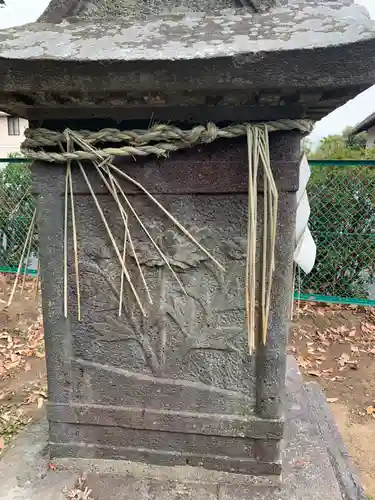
(12,131)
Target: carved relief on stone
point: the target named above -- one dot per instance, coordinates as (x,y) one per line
(196,334)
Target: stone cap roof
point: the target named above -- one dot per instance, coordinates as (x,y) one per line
(365,124)
(300,59)
(59,10)
(298,26)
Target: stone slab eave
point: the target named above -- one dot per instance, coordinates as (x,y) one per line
(192,36)
(305,59)
(310,82)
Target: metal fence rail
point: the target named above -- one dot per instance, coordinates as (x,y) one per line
(342,222)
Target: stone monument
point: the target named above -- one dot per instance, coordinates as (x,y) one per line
(176,386)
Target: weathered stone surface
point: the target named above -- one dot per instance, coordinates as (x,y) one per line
(176,386)
(152,490)
(300,59)
(190,392)
(315,465)
(180,36)
(59,10)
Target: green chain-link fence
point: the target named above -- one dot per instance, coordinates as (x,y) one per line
(16,213)
(342,222)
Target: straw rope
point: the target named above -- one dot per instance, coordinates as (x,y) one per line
(164,139)
(161,140)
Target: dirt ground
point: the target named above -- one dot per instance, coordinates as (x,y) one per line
(22,363)
(334,345)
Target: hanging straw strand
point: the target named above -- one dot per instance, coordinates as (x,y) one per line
(249,232)
(129,237)
(29,233)
(114,244)
(27,259)
(162,255)
(75,243)
(155,245)
(66,244)
(162,139)
(144,190)
(112,188)
(271,213)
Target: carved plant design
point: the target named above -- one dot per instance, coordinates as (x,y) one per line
(182,253)
(197,314)
(207,333)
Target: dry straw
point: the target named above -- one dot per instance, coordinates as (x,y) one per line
(161,140)
(26,245)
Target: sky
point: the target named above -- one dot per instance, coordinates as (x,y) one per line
(17,12)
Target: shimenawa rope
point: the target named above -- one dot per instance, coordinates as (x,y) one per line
(161,140)
(167,139)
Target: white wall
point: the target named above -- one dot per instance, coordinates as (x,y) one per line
(10,143)
(371,138)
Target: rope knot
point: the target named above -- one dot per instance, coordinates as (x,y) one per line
(211,133)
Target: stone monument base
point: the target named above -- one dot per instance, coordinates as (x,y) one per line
(315,465)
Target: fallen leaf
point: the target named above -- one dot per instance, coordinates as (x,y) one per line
(303,362)
(321,358)
(40,402)
(27,366)
(52,466)
(5,416)
(314,373)
(354,348)
(39,354)
(2,443)
(343,329)
(343,359)
(367,328)
(300,463)
(370,410)
(10,366)
(332,400)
